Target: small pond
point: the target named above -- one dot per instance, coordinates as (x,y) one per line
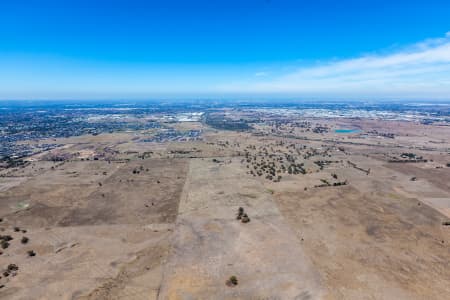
(347,130)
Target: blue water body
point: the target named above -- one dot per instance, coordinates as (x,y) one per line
(347,130)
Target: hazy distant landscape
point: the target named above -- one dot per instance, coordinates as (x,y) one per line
(126,200)
(31,121)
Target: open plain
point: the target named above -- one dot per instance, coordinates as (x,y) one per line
(353,215)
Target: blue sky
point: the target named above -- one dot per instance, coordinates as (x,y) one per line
(146,49)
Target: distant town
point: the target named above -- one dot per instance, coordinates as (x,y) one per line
(24,125)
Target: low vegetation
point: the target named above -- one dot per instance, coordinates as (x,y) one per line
(232,281)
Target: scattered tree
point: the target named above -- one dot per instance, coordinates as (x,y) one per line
(245,218)
(232,281)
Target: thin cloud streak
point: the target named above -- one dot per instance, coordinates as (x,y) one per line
(422,69)
(261,74)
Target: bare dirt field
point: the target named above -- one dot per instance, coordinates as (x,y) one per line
(371,243)
(332,216)
(210,245)
(99,230)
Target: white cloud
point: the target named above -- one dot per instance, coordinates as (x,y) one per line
(261,74)
(422,70)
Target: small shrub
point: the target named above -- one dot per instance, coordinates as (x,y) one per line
(6,238)
(232,281)
(4,244)
(240,213)
(245,218)
(12,267)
